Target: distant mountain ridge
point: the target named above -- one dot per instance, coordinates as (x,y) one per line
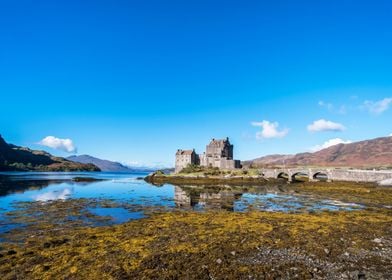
(107,165)
(363,154)
(15,158)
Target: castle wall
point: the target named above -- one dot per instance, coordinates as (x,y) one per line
(229,164)
(203,160)
(219,153)
(219,150)
(183,160)
(221,163)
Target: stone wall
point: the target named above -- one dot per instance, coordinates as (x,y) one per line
(203,160)
(219,153)
(221,163)
(220,149)
(332,174)
(360,175)
(183,160)
(229,164)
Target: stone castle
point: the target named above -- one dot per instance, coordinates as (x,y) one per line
(219,153)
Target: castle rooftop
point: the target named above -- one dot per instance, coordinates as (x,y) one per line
(184,152)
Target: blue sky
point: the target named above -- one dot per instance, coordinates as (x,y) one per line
(133,81)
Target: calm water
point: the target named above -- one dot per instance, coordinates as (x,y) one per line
(137,196)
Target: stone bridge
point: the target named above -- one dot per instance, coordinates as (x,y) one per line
(316,174)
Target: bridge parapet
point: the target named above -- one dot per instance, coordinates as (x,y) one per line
(269,173)
(360,175)
(355,175)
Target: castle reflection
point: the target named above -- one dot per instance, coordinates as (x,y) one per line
(195,197)
(202,197)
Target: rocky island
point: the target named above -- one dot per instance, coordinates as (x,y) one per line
(196,175)
(371,159)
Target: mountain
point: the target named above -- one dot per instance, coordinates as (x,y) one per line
(107,165)
(15,158)
(366,154)
(104,165)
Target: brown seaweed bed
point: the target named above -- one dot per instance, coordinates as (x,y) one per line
(212,244)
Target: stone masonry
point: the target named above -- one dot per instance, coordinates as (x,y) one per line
(219,153)
(330,174)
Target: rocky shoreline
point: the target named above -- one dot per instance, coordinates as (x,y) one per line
(160,179)
(211,245)
(214,244)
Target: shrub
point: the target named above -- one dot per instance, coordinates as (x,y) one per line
(159,172)
(192,168)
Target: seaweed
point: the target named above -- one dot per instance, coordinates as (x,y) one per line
(215,244)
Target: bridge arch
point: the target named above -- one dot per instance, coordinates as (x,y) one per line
(299,176)
(320,176)
(283,175)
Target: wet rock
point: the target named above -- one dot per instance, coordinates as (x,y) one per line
(54,243)
(46,267)
(344,276)
(105,250)
(86,179)
(11,252)
(357,275)
(361,276)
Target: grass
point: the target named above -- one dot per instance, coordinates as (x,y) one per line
(199,175)
(197,170)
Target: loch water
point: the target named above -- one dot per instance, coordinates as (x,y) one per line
(132,198)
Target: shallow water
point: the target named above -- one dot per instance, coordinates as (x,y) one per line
(131,198)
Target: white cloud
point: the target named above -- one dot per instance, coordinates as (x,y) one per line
(377,107)
(390,134)
(324,125)
(65,145)
(54,195)
(329,143)
(132,163)
(342,109)
(269,130)
(327,105)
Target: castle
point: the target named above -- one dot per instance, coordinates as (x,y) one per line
(219,153)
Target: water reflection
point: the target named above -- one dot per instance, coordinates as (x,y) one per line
(262,198)
(121,197)
(54,195)
(8,186)
(20,184)
(196,197)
